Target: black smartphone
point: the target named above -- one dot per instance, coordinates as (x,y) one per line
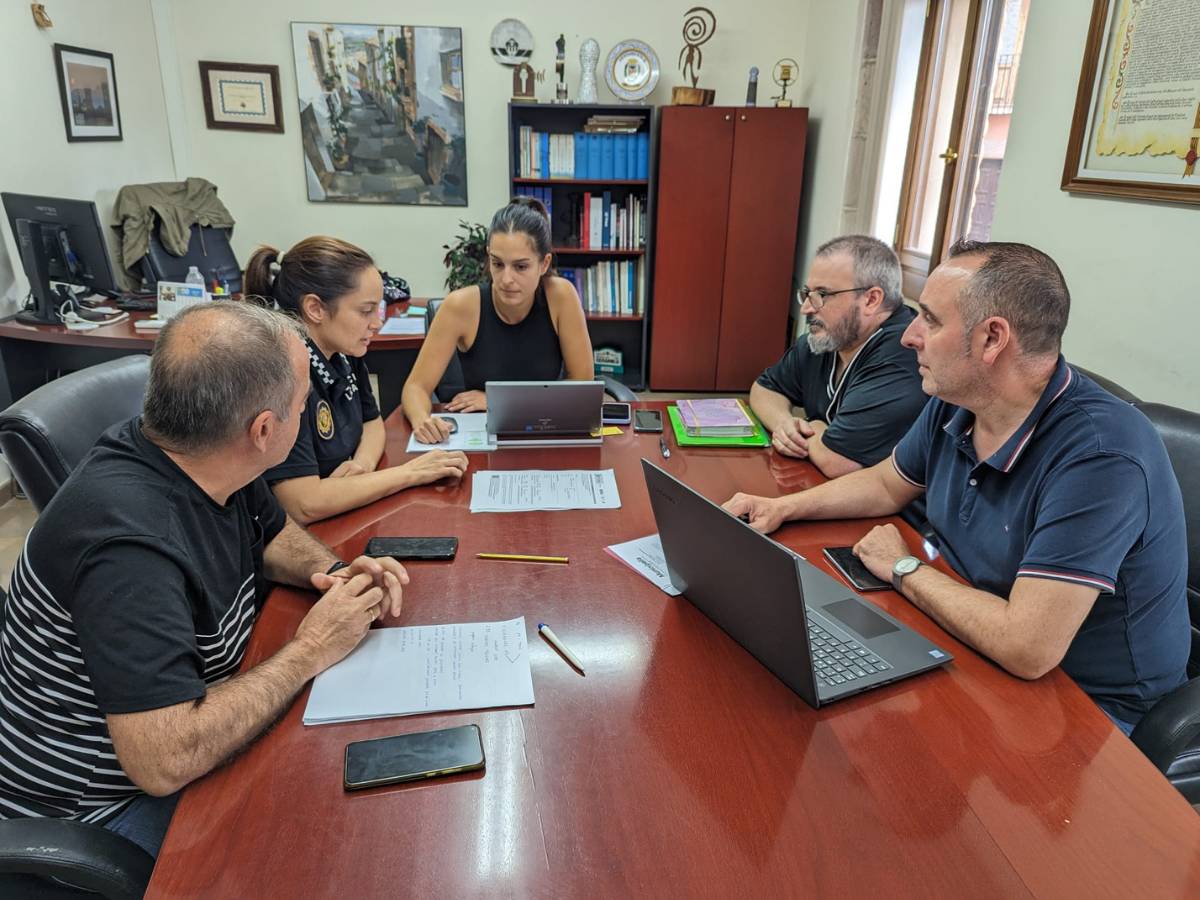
(647,420)
(411,757)
(615,413)
(853,570)
(413,547)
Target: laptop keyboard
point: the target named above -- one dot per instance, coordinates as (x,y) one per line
(839,658)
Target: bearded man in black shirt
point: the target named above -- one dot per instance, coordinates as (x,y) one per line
(136,592)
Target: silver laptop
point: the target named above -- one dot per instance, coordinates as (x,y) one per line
(816,635)
(544,413)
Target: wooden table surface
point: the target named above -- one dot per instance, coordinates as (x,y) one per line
(123,336)
(678,766)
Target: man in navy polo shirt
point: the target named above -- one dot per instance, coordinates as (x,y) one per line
(1053,499)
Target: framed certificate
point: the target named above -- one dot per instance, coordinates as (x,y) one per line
(241,96)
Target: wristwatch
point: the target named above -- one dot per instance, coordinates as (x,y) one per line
(905,565)
(340,564)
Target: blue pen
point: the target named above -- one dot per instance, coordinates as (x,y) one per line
(548,633)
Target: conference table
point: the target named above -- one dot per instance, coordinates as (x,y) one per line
(30,355)
(677,766)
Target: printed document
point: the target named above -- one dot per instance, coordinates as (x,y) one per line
(472,434)
(403,325)
(537,489)
(645,556)
(425,668)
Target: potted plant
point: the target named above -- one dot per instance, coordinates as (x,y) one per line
(466,256)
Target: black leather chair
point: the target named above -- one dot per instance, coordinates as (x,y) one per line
(55,859)
(452,379)
(46,433)
(1169,734)
(1111,386)
(208,250)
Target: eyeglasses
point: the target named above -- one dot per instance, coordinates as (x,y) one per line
(816,297)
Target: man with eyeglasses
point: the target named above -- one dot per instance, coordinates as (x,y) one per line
(1053,500)
(858,386)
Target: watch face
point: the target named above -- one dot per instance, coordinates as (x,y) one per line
(908,565)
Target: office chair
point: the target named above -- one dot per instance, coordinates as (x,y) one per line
(56,859)
(208,250)
(46,433)
(1111,386)
(452,379)
(1169,734)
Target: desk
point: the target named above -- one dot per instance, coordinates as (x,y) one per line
(29,352)
(678,766)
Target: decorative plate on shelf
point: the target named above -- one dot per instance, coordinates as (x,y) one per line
(632,70)
(511,42)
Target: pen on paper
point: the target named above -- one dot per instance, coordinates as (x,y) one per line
(548,633)
(662,445)
(521,557)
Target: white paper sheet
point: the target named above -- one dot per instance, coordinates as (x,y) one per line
(538,489)
(403,325)
(471,435)
(426,668)
(645,556)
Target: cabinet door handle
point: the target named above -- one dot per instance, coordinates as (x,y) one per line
(743,118)
(728,117)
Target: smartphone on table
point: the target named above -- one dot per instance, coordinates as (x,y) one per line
(647,420)
(854,571)
(412,757)
(615,413)
(413,547)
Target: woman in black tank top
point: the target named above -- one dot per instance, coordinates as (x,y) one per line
(522,324)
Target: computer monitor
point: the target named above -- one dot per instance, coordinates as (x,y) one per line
(59,241)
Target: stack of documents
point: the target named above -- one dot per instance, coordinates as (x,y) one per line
(427,668)
(472,434)
(403,325)
(550,490)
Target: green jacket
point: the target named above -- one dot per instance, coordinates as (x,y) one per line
(176,204)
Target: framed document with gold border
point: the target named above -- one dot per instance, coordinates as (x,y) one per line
(1136,129)
(241,96)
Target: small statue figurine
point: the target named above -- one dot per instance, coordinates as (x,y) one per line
(560,62)
(523,82)
(589,55)
(752,87)
(699,24)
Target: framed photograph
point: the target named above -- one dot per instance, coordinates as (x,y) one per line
(87,84)
(1136,129)
(241,96)
(382,116)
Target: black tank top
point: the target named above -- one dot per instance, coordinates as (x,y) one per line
(526,351)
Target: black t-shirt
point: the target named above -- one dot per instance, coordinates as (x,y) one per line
(877,400)
(135,591)
(338,404)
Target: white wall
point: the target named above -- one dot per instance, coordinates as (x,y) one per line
(261,177)
(1131,265)
(35,157)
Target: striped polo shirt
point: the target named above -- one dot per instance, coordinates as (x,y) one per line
(134,591)
(1082,492)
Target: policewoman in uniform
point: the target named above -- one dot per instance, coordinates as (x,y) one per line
(523,323)
(335,289)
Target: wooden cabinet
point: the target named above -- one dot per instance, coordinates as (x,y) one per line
(725,243)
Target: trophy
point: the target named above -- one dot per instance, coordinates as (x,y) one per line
(524,79)
(560,62)
(784,73)
(699,25)
(752,87)
(589,55)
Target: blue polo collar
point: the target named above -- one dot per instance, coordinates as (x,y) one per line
(962,423)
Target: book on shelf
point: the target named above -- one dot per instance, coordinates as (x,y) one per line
(609,288)
(716,417)
(583,156)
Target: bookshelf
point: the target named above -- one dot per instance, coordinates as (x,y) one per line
(613,277)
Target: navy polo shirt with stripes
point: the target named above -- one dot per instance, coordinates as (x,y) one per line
(338,404)
(1082,492)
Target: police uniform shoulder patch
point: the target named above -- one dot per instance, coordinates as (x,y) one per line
(324,420)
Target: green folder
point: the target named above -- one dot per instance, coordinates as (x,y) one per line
(760,438)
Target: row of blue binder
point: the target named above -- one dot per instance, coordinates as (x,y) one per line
(583,155)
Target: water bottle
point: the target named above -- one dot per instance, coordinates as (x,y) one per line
(194,277)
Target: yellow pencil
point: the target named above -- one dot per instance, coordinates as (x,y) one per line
(522,557)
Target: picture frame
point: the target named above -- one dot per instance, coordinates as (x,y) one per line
(1134,134)
(241,96)
(87,87)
